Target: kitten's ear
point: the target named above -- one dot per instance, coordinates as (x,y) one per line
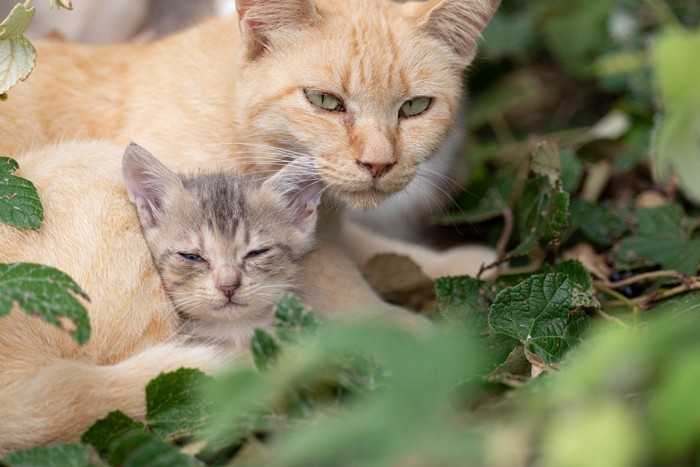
(148,183)
(301,193)
(260,20)
(457,23)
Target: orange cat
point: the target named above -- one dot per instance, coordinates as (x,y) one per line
(366,90)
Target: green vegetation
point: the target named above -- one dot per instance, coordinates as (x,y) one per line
(578,347)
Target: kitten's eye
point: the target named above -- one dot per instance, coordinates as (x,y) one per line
(191,257)
(325,101)
(414,106)
(256,253)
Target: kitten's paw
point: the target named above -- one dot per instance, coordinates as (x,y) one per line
(459,261)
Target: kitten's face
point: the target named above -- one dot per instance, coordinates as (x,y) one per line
(227,248)
(232,267)
(364,89)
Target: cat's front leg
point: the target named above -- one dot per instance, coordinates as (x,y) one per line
(336,290)
(361,244)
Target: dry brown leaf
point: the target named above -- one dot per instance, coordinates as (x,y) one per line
(397,279)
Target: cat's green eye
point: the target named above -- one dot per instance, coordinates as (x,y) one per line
(255,253)
(191,257)
(324,101)
(415,106)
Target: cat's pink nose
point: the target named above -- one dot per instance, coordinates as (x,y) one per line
(228,289)
(376,169)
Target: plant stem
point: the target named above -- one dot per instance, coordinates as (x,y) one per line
(600,287)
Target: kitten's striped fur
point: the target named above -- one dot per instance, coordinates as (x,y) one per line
(227,247)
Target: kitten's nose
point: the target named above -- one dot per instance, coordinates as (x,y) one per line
(228,289)
(376,169)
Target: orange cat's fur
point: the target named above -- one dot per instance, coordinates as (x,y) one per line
(221,94)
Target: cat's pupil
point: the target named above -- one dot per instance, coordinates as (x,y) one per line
(191,257)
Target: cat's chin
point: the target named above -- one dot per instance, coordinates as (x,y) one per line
(362,200)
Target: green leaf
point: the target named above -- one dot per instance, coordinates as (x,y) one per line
(463,299)
(137,449)
(174,406)
(544,215)
(58,455)
(44,292)
(676,148)
(539,312)
(292,318)
(20,205)
(601,223)
(675,60)
(660,239)
(265,349)
(16,22)
(17,60)
(105,430)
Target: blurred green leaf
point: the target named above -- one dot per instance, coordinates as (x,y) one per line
(174,407)
(602,223)
(137,449)
(677,67)
(58,455)
(19,201)
(463,299)
(292,318)
(659,239)
(104,431)
(676,148)
(265,349)
(44,292)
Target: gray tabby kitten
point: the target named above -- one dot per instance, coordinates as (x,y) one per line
(227,247)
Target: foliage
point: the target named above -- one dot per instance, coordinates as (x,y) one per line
(41,291)
(19,201)
(578,346)
(17,54)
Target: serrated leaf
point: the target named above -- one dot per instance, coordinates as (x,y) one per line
(539,312)
(44,292)
(546,163)
(577,273)
(292,318)
(265,349)
(59,455)
(660,239)
(602,223)
(140,449)
(20,205)
(16,22)
(462,299)
(17,60)
(174,406)
(105,430)
(544,215)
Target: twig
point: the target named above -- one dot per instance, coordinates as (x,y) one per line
(644,277)
(615,320)
(600,287)
(647,300)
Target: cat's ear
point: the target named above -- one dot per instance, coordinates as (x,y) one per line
(148,184)
(302,193)
(261,20)
(457,23)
